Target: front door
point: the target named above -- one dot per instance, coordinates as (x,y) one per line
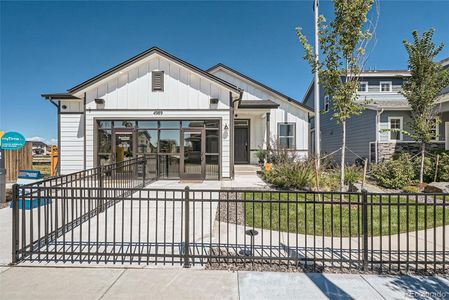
(192,154)
(123,142)
(241,141)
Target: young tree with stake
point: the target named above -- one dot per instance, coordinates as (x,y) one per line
(343,44)
(428,78)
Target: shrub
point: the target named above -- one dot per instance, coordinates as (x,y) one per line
(443,167)
(353,174)
(298,175)
(395,173)
(430,167)
(261,154)
(412,189)
(330,180)
(279,154)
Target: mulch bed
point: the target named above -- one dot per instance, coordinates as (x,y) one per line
(230,212)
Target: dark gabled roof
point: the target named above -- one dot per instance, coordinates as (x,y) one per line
(57,96)
(289,99)
(142,55)
(257,104)
(38,143)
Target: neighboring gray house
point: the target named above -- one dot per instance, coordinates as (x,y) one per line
(386,109)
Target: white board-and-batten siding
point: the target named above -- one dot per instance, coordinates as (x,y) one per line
(286,112)
(71,152)
(128,95)
(131,88)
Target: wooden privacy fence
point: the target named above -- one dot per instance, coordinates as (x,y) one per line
(16,160)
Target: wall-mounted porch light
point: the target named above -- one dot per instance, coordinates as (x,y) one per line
(213,101)
(226,131)
(99,101)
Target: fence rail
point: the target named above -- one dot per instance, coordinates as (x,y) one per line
(222,228)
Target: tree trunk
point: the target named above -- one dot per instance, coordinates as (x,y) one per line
(421,170)
(343,152)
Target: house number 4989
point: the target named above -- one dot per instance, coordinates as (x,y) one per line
(157,112)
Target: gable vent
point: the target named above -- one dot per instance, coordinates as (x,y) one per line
(157,81)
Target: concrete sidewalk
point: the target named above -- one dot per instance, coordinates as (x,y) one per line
(178,283)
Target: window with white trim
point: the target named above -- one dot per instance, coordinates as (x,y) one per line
(395,126)
(363,86)
(326,103)
(386,86)
(286,135)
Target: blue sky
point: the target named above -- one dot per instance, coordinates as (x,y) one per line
(52,46)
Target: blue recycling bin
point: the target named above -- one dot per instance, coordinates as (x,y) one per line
(30,200)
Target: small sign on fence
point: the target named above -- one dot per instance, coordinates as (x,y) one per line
(12,141)
(8,141)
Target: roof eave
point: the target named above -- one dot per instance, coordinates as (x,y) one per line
(289,99)
(60,96)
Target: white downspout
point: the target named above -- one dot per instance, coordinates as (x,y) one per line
(378,113)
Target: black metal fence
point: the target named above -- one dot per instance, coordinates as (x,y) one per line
(263,229)
(49,209)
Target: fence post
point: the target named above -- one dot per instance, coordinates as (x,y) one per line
(100,189)
(15,223)
(186,228)
(365,228)
(144,169)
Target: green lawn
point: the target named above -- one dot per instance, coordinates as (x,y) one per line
(341,220)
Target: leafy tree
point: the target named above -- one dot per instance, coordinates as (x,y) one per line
(428,78)
(343,45)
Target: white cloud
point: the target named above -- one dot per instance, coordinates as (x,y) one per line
(36,139)
(51,141)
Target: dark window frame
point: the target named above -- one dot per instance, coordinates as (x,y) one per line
(206,122)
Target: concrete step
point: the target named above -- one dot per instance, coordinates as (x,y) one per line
(248,173)
(246,169)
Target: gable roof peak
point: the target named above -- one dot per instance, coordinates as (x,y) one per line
(143,55)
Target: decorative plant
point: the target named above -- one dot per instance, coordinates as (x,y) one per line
(298,175)
(279,154)
(261,154)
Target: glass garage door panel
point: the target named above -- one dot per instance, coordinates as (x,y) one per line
(192,153)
